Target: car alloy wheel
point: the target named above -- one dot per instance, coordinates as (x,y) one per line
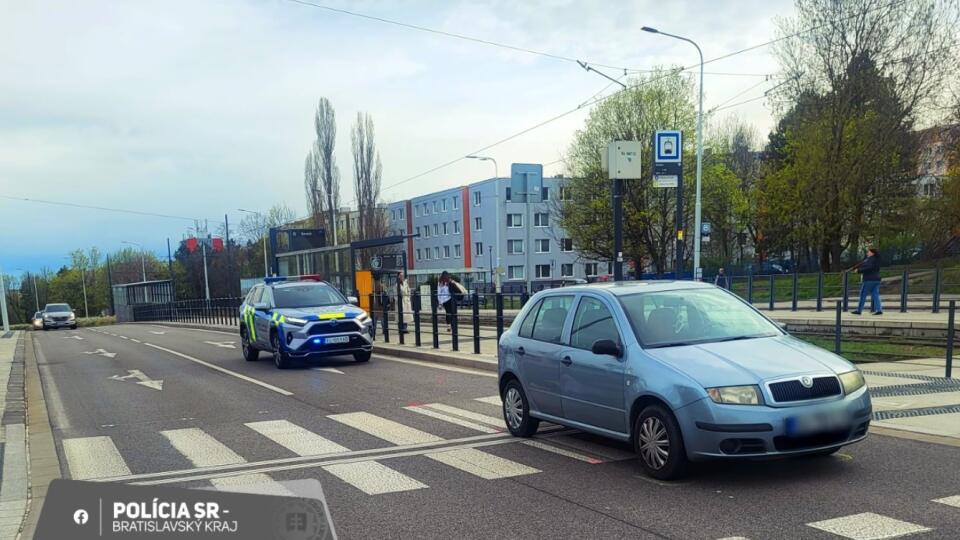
(279,358)
(654,443)
(513,408)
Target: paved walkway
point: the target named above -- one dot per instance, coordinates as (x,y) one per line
(13,475)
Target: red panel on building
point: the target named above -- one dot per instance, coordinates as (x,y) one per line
(467,244)
(217,244)
(191,244)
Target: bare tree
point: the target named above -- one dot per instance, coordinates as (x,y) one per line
(321,176)
(367,172)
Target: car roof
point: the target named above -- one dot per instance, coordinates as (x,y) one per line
(620,288)
(282,284)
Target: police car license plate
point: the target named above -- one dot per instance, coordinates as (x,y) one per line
(336,339)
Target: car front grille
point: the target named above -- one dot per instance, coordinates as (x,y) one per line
(59,319)
(334,327)
(786,391)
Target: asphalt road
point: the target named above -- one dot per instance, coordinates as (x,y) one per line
(407,449)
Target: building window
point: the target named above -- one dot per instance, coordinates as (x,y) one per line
(544,193)
(590,269)
(543,245)
(418,254)
(436,229)
(478,248)
(564,193)
(426,231)
(541,219)
(508,194)
(566,270)
(445,231)
(436,252)
(514,247)
(543,271)
(477,224)
(416,211)
(477,197)
(514,272)
(566,245)
(401,213)
(426,254)
(393,215)
(446,252)
(456,250)
(443,205)
(455,203)
(456,227)
(435,207)
(514,221)
(417,230)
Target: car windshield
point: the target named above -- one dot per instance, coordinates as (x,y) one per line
(55,308)
(692,316)
(312,295)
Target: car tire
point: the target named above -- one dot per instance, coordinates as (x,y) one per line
(656,433)
(280,358)
(516,411)
(362,356)
(74,327)
(250,354)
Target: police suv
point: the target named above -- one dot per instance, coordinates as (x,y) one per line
(302,318)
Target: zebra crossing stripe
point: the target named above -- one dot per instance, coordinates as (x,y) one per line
(453,420)
(949,501)
(868,526)
(388,430)
(200,448)
(491,400)
(298,440)
(93,457)
(481,464)
(256,483)
(470,415)
(373,478)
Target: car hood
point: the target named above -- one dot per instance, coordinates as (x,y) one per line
(346,311)
(749,361)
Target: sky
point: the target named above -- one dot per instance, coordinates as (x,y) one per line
(196,109)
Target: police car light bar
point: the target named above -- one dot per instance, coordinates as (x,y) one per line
(305,277)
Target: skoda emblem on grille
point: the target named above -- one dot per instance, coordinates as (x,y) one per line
(807,382)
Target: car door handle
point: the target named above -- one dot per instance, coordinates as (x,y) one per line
(520,351)
(566,360)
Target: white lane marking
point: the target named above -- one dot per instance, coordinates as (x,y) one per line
(142,379)
(135,340)
(481,464)
(329,370)
(93,457)
(256,483)
(436,366)
(58,415)
(734,538)
(868,526)
(492,400)
(452,419)
(298,440)
(222,370)
(200,448)
(73,337)
(563,452)
(101,352)
(154,332)
(388,430)
(124,337)
(949,501)
(221,344)
(463,413)
(373,478)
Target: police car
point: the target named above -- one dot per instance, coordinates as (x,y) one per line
(302,318)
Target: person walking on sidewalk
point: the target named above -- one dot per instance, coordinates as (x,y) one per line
(404,291)
(721,280)
(869,269)
(447,291)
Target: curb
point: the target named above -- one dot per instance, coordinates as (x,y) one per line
(479,362)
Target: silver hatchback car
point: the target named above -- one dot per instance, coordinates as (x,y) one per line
(685,371)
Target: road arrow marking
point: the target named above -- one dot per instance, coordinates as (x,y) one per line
(101,352)
(73,337)
(222,344)
(157,333)
(329,370)
(142,379)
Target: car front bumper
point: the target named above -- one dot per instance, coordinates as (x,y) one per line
(712,430)
(310,342)
(60,324)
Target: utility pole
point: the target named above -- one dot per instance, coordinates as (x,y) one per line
(83,281)
(36,297)
(113,307)
(263,237)
(618,229)
(206,281)
(143,265)
(3,304)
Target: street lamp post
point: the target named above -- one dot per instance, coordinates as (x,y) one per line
(266,270)
(3,305)
(36,297)
(496,199)
(143,264)
(696,232)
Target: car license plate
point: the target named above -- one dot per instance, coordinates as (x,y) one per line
(819,422)
(336,339)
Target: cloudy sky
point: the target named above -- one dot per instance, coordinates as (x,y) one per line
(196,108)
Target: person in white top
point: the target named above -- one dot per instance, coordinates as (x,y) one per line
(447,287)
(404,301)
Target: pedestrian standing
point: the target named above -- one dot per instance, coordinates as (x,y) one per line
(407,311)
(448,290)
(721,280)
(869,269)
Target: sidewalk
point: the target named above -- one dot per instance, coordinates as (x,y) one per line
(13,434)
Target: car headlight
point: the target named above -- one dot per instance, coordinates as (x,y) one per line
(852,381)
(735,395)
(295,321)
(47,317)
(71,317)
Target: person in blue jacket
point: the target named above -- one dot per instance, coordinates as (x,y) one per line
(869,268)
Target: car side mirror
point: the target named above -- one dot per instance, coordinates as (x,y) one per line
(261,306)
(353,300)
(607,347)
